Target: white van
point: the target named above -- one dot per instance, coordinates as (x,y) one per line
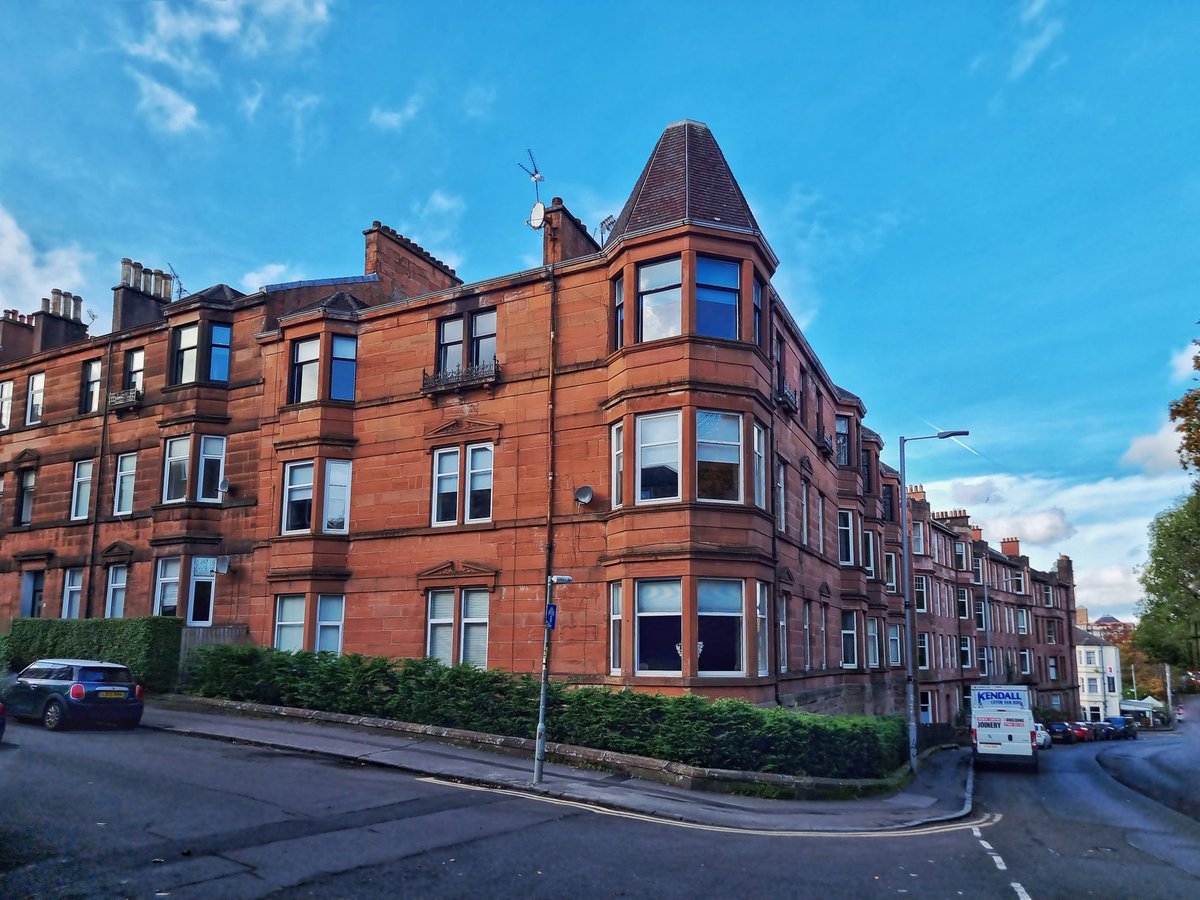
(1002,726)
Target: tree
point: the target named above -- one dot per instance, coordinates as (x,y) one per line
(1185,413)
(1171,580)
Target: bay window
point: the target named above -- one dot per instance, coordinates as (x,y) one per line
(718,456)
(760,466)
(719,631)
(873,643)
(718,284)
(658,626)
(658,457)
(343,367)
(331,611)
(618,465)
(614,627)
(297,497)
(849,639)
(166,586)
(659,299)
(202,591)
(845,537)
(212,468)
(337,496)
(175,471)
(919,593)
(304,377)
(289,622)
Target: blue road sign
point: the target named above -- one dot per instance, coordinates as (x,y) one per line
(551,615)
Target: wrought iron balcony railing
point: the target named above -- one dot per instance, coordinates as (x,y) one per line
(461,378)
(127,399)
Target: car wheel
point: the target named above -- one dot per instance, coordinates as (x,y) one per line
(54,717)
(130,723)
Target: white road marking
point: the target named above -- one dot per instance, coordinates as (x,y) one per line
(1021,894)
(985,845)
(999,862)
(975,831)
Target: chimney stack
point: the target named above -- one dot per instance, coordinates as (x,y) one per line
(916,492)
(976,533)
(1010,546)
(140,297)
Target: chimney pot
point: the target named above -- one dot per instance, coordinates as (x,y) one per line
(157,289)
(126,270)
(45,304)
(56,301)
(135,280)
(166,285)
(77,309)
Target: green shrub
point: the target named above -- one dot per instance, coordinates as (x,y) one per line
(726,734)
(149,645)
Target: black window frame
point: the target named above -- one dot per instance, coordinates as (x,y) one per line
(180,353)
(343,367)
(23,509)
(212,347)
(719,289)
(298,370)
(657,289)
(619,311)
(469,350)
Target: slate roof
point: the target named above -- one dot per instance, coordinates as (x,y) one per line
(221,293)
(1091,640)
(338,301)
(686,179)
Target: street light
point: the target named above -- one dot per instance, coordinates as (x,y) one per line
(539,755)
(909,617)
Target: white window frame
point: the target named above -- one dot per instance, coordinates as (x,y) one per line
(845,528)
(759,445)
(6,399)
(1089,657)
(639,616)
(895,646)
(81,490)
(615,617)
(330,628)
(852,632)
(781,496)
(289,626)
(162,580)
(821,524)
(965,653)
(617,436)
(472,622)
(804,489)
(1051,631)
(289,489)
(334,478)
(918,538)
(921,593)
(1047,595)
(872,642)
(677,416)
(960,555)
(450,474)
(964,604)
(1051,668)
(923,650)
(806,612)
(1022,621)
(115,591)
(207,456)
(868,552)
(722,415)
(72,597)
(782,611)
(125,480)
(34,397)
(204,571)
(474,471)
(172,457)
(446,621)
(889,572)
(763,629)
(89,402)
(740,615)
(977,569)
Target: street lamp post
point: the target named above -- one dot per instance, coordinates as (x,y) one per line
(909,616)
(539,755)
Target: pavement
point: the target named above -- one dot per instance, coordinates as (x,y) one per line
(941,791)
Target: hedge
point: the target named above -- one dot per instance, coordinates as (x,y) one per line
(727,734)
(149,645)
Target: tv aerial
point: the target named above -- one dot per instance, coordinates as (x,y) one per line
(537,216)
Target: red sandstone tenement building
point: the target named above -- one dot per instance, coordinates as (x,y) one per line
(393,463)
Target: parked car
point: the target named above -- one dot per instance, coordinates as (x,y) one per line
(59,692)
(1108,731)
(1044,741)
(1122,726)
(1083,731)
(1061,732)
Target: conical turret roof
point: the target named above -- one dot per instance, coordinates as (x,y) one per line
(685,180)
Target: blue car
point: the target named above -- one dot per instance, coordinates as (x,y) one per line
(60,692)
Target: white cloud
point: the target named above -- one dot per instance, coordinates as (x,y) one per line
(300,108)
(1181,363)
(178,36)
(1101,525)
(252,100)
(165,109)
(1038,33)
(435,225)
(271,273)
(478,101)
(28,273)
(1156,453)
(396,119)
(818,237)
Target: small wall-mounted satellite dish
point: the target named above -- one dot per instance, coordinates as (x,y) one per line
(222,565)
(537,218)
(583,495)
(223,487)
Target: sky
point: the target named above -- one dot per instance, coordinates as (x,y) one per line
(987,215)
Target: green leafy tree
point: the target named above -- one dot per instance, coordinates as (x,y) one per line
(1185,413)
(1171,580)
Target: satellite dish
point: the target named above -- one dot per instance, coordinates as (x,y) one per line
(222,565)
(583,495)
(223,487)
(537,217)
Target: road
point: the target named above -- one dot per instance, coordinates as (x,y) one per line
(104,813)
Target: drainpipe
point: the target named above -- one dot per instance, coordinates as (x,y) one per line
(551,348)
(95,512)
(769,465)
